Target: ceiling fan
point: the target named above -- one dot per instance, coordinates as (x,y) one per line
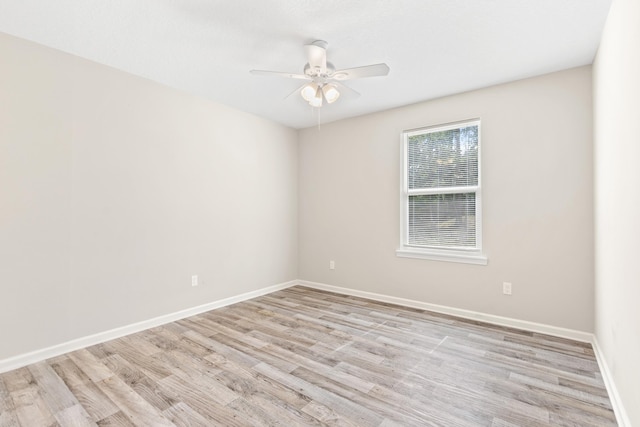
(323,79)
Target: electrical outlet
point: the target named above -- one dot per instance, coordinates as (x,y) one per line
(332,265)
(506,288)
(194,280)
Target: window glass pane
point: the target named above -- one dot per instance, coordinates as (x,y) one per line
(443,220)
(446,158)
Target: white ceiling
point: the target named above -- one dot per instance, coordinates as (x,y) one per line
(207,47)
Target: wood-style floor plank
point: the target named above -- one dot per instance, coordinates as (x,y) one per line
(303,357)
(7,408)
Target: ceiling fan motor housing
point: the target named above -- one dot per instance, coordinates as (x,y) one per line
(316,72)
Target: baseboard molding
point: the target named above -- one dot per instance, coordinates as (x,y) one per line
(21,360)
(616,402)
(466,314)
(76,344)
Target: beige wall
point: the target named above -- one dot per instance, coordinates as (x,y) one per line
(114,190)
(617,200)
(537,196)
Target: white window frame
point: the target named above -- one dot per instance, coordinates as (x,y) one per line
(463,255)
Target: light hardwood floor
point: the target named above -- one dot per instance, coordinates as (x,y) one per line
(307,357)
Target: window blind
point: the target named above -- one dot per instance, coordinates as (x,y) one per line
(442,220)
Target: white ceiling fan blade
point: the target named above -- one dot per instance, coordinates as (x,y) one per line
(317,55)
(279,74)
(296,90)
(360,72)
(346,89)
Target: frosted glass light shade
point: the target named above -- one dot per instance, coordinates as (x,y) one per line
(331,93)
(316,101)
(309,91)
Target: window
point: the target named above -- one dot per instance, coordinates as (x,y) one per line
(440,198)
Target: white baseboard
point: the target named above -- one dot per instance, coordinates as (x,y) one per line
(56,350)
(614,397)
(21,360)
(458,312)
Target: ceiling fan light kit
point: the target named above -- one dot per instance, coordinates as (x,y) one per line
(324,79)
(315,94)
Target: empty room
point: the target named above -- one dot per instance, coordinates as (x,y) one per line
(340,213)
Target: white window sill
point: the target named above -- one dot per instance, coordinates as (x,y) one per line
(449,256)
